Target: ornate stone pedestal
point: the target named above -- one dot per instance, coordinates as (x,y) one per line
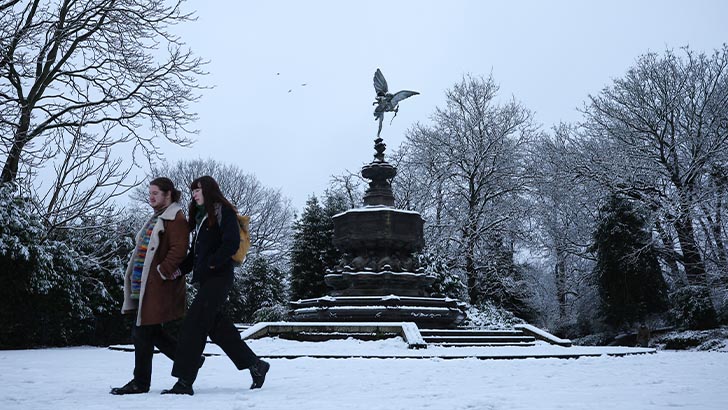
(378,277)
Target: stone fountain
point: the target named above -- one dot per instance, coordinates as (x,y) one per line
(378,278)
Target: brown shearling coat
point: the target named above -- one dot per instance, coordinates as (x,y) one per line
(160,300)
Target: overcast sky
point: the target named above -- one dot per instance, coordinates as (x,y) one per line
(549,55)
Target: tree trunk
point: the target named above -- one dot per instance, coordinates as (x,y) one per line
(474,291)
(668,254)
(12,162)
(693,262)
(714,229)
(716,225)
(471,230)
(10,170)
(560,276)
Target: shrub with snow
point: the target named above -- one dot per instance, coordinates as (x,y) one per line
(53,295)
(692,308)
(488,316)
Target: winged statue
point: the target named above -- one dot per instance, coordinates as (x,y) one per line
(386,101)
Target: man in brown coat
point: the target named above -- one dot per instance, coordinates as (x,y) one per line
(154,289)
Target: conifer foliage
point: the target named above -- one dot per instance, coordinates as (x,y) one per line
(630,281)
(51,295)
(313,249)
(501,280)
(259,293)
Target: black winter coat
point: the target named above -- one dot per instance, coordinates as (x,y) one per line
(213,246)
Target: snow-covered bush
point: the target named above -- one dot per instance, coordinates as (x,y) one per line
(447,278)
(52,293)
(42,303)
(721,305)
(489,316)
(274,313)
(696,340)
(692,308)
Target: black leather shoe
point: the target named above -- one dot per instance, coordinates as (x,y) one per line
(130,388)
(180,387)
(258,371)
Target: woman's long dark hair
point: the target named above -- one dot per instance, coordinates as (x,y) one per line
(211,194)
(166,185)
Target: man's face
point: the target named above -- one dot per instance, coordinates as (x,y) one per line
(158,198)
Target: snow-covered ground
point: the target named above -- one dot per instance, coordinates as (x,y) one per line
(80,378)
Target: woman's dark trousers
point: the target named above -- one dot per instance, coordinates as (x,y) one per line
(204,318)
(145,338)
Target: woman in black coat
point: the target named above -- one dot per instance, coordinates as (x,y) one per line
(216,238)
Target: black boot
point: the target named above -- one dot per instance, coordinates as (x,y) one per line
(258,371)
(181,387)
(130,388)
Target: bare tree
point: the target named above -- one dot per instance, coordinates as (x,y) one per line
(665,125)
(85,177)
(271,213)
(564,208)
(351,186)
(6,27)
(712,211)
(106,71)
(473,156)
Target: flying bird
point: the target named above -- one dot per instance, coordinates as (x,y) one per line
(385,101)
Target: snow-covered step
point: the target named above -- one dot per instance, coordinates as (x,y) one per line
(242,326)
(323,336)
(328,330)
(470,332)
(485,344)
(477,337)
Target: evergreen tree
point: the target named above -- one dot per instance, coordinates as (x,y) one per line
(259,286)
(105,250)
(630,280)
(48,299)
(447,278)
(313,251)
(501,280)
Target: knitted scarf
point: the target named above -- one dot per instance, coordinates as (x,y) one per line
(140,254)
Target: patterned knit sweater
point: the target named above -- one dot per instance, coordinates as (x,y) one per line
(140,255)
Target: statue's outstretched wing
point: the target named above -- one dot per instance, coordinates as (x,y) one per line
(380,84)
(401,95)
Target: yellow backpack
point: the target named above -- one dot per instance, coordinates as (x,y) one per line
(244,225)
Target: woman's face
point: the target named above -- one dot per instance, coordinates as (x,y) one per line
(159,199)
(197,195)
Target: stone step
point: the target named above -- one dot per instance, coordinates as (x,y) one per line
(467,332)
(485,344)
(478,339)
(373,300)
(323,336)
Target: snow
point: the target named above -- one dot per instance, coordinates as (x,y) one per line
(372,208)
(383,272)
(543,335)
(80,378)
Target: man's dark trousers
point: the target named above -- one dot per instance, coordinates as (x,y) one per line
(145,338)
